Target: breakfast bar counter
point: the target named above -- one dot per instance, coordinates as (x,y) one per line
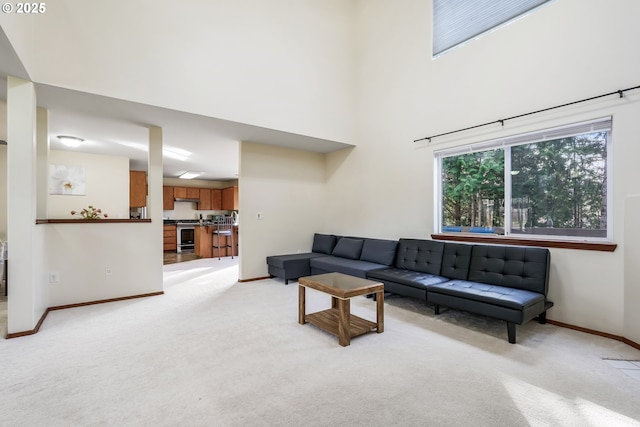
(205,240)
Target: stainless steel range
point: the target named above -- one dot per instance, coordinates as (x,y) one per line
(185,234)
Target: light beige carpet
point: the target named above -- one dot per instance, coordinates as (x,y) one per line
(213,352)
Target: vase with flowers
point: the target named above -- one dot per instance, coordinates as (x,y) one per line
(90,212)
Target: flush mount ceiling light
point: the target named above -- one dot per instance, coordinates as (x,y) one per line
(190,175)
(70,141)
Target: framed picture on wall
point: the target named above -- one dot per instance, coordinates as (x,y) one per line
(67,180)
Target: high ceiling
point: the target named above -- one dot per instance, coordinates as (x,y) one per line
(112,126)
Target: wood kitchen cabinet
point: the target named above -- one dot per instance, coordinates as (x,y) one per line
(216,199)
(205,199)
(180,192)
(206,242)
(230,198)
(186,193)
(167,198)
(209,199)
(137,189)
(170,242)
(193,193)
(225,241)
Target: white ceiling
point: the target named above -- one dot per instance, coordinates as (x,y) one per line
(118,127)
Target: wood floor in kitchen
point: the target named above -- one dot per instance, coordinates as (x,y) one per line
(173,257)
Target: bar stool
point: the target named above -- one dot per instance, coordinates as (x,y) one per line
(224,227)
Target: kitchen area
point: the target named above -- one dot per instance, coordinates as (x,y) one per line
(194,216)
(200,219)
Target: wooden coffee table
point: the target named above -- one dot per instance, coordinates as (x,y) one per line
(338,320)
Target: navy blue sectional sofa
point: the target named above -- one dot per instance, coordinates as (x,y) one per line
(509,283)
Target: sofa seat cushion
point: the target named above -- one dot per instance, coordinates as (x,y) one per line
(518,299)
(352,267)
(415,279)
(281,261)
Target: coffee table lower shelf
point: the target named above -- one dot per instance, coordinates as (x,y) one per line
(328,320)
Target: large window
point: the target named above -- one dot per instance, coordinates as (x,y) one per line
(548,183)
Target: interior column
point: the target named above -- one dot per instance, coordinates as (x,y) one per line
(25,303)
(154,197)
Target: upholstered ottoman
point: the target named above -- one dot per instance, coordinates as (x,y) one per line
(291,266)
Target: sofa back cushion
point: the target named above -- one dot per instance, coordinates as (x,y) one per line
(424,256)
(456,260)
(511,266)
(323,243)
(348,247)
(379,251)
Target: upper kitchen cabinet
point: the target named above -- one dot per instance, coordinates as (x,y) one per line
(204,204)
(216,199)
(137,189)
(186,193)
(193,193)
(230,198)
(180,192)
(210,199)
(167,198)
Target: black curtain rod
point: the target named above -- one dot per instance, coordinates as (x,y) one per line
(617,92)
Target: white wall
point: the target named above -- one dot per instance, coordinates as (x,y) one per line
(288,187)
(566,51)
(632,269)
(107,179)
(3,171)
(3,192)
(280,64)
(80,253)
(27,298)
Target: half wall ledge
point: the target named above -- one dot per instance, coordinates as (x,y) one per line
(501,240)
(89,221)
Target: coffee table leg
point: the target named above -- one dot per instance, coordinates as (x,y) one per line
(344,322)
(301,305)
(380,311)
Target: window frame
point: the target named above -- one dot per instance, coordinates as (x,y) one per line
(603,124)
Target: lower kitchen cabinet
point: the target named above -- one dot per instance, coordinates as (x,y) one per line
(207,243)
(225,241)
(170,242)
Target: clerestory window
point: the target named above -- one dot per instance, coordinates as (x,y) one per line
(458,21)
(550,184)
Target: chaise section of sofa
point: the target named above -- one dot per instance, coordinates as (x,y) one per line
(292,266)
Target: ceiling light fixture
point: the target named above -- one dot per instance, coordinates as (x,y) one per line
(190,175)
(70,141)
